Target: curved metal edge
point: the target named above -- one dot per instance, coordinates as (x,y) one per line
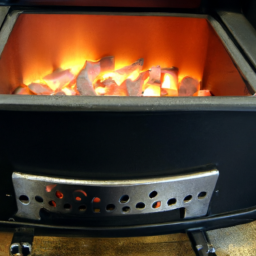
(124,104)
(113,183)
(242,31)
(7,28)
(206,223)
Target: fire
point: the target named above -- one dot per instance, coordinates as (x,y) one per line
(134,75)
(100,78)
(169,82)
(100,90)
(152,90)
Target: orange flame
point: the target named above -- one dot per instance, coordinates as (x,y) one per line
(169,82)
(152,90)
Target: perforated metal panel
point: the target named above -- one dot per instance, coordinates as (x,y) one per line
(89,197)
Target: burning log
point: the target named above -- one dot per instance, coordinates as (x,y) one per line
(155,75)
(109,86)
(188,86)
(153,85)
(40,89)
(23,90)
(132,72)
(58,79)
(134,88)
(87,75)
(99,78)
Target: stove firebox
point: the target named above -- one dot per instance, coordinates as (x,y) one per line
(74,160)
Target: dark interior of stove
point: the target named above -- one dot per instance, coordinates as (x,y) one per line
(41,43)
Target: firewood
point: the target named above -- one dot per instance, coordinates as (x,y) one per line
(134,88)
(58,79)
(40,89)
(87,75)
(132,71)
(23,90)
(188,86)
(152,88)
(155,75)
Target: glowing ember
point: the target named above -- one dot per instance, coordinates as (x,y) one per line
(204,93)
(99,78)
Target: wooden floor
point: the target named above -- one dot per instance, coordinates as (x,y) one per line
(234,241)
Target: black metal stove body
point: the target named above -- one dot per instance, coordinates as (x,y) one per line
(153,143)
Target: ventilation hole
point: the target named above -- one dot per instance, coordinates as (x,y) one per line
(182,213)
(124,199)
(156,204)
(39,199)
(67,206)
(172,201)
(110,207)
(96,200)
(140,205)
(202,195)
(78,198)
(153,194)
(81,191)
(126,209)
(96,210)
(59,194)
(187,199)
(24,199)
(52,203)
(82,208)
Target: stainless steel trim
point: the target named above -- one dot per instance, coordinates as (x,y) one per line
(7,28)
(81,193)
(3,12)
(243,32)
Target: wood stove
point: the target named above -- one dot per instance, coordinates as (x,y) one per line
(126,166)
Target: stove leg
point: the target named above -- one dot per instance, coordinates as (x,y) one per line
(22,242)
(200,243)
